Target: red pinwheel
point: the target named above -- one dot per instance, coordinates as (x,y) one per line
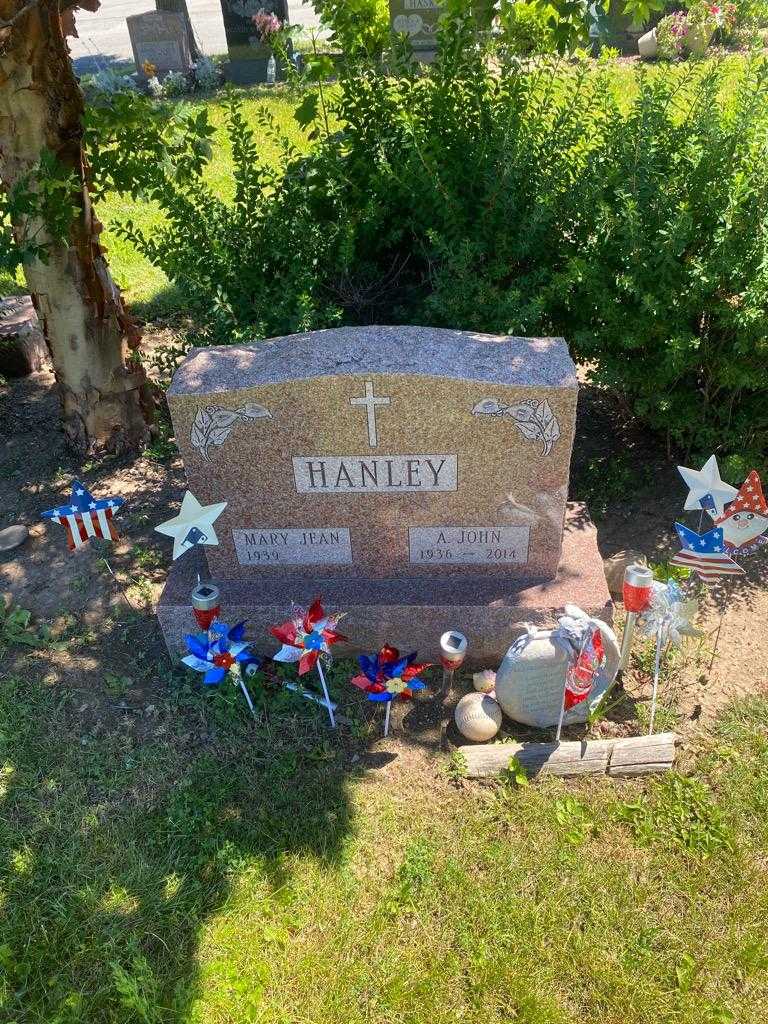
(386,676)
(305,637)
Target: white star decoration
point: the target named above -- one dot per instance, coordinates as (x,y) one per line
(707,481)
(192,515)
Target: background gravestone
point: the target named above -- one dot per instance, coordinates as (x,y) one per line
(160,38)
(418,20)
(414,476)
(180,7)
(248,56)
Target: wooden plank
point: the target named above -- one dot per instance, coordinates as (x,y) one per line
(643,755)
(591,757)
(636,755)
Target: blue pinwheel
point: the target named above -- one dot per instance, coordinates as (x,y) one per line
(386,676)
(221,652)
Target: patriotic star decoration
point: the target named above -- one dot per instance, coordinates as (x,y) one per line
(386,675)
(669,615)
(745,521)
(220,652)
(307,635)
(706,490)
(705,553)
(85,517)
(193,525)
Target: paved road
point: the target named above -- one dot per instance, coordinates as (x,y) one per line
(104,35)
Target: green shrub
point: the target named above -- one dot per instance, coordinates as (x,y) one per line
(358,27)
(520,199)
(525,28)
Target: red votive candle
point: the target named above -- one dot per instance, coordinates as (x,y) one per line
(638,580)
(206,604)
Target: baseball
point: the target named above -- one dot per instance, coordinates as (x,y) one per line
(478,717)
(485,681)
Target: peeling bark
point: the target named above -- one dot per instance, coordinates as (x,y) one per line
(104,393)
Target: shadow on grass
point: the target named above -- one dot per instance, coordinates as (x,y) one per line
(128,820)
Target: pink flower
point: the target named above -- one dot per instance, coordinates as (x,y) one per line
(266,25)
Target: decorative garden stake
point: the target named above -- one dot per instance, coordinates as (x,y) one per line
(219,652)
(705,553)
(453,651)
(707,492)
(636,592)
(386,676)
(206,604)
(85,517)
(745,521)
(668,618)
(193,525)
(581,639)
(307,637)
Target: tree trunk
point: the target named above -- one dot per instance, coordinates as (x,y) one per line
(104,393)
(180,7)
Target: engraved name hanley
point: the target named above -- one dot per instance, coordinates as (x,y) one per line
(378,474)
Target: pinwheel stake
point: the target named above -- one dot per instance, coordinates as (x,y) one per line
(219,652)
(668,618)
(307,637)
(386,676)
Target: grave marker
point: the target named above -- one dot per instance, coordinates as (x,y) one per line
(415,477)
(248,55)
(160,38)
(418,20)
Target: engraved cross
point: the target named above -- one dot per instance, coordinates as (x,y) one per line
(370,401)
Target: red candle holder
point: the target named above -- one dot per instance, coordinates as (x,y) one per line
(206,604)
(637,589)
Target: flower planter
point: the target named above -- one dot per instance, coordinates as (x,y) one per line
(648,45)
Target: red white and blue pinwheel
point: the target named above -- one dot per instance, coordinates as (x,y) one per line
(306,637)
(387,676)
(222,652)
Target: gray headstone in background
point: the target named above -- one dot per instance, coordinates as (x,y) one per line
(418,20)
(248,55)
(160,38)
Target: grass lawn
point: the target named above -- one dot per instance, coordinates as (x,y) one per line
(258,877)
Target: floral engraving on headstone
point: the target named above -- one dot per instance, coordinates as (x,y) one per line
(213,425)
(534,419)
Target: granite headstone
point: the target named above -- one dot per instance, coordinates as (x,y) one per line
(248,54)
(417,477)
(416,19)
(159,38)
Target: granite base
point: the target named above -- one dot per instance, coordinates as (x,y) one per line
(252,71)
(411,613)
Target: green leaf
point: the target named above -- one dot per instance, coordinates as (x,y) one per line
(307,110)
